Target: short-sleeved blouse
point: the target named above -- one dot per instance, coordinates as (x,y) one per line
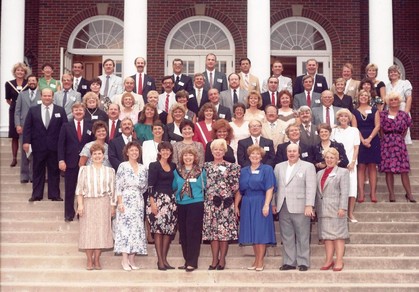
(86,152)
(95,182)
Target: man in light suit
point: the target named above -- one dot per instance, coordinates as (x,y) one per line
(143,82)
(67,96)
(352,85)
(319,81)
(70,144)
(234,94)
(326,113)
(272,95)
(26,99)
(293,134)
(284,83)
(222,111)
(273,128)
(111,84)
(198,96)
(41,132)
(79,83)
(213,77)
(294,200)
(181,81)
(308,96)
(308,130)
(248,81)
(255,129)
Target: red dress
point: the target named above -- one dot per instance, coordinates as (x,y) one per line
(202,134)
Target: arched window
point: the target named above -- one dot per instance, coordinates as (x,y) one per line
(193,38)
(97,35)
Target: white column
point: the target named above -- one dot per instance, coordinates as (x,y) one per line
(135,33)
(259,37)
(381,36)
(12,50)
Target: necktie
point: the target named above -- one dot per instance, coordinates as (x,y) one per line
(140,84)
(65,98)
(198,97)
(32,95)
(211,80)
(129,139)
(246,82)
(308,99)
(166,104)
(256,141)
(177,79)
(76,84)
(79,131)
(105,92)
(273,98)
(235,98)
(272,125)
(328,116)
(47,117)
(307,127)
(112,135)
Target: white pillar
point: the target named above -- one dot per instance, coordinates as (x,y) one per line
(12,50)
(381,36)
(259,37)
(135,34)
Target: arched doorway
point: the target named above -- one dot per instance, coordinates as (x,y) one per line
(193,38)
(94,40)
(296,39)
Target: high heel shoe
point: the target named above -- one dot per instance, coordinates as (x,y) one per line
(161,268)
(338,269)
(126,267)
(373,200)
(134,267)
(325,268)
(211,268)
(14,162)
(408,199)
(169,267)
(360,200)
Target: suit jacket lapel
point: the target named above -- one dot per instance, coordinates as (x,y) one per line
(331,176)
(294,171)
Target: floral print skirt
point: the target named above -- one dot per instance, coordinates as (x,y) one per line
(166,219)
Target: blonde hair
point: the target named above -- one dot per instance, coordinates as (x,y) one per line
(343,111)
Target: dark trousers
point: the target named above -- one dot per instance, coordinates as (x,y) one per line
(190,219)
(71,175)
(49,160)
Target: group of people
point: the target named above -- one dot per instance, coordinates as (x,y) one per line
(212,156)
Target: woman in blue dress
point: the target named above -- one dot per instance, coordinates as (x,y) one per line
(131,183)
(257,184)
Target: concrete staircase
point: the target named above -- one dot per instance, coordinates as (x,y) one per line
(39,251)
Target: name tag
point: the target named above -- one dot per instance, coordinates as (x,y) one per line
(266,148)
(192,180)
(39,102)
(57,115)
(219,80)
(181,83)
(391,117)
(120,130)
(255,171)
(94,117)
(352,88)
(368,111)
(52,85)
(319,85)
(73,98)
(300,175)
(222,168)
(89,132)
(84,86)
(19,87)
(317,101)
(191,95)
(332,175)
(149,83)
(222,116)
(315,132)
(304,154)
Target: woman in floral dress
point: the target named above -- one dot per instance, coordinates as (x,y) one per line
(161,208)
(131,183)
(220,224)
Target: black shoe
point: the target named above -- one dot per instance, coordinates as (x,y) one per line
(302,268)
(220,267)
(182,267)
(286,268)
(169,267)
(68,219)
(59,199)
(161,268)
(33,199)
(24,181)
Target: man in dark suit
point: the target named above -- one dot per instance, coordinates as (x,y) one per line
(255,129)
(116,145)
(320,83)
(26,99)
(309,135)
(79,83)
(222,111)
(199,95)
(114,123)
(293,133)
(73,136)
(271,96)
(41,132)
(181,81)
(143,82)
(213,77)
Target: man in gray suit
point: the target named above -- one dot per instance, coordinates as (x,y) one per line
(326,113)
(26,100)
(67,96)
(111,84)
(308,130)
(234,94)
(308,96)
(294,200)
(213,77)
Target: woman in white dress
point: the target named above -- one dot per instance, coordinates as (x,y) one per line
(131,183)
(404,89)
(254,102)
(349,137)
(150,146)
(239,125)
